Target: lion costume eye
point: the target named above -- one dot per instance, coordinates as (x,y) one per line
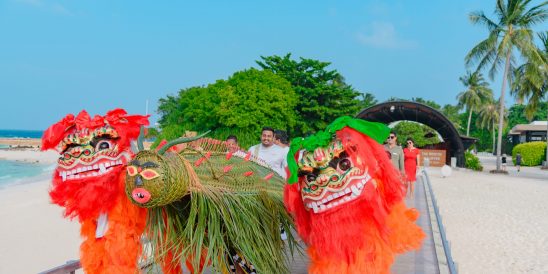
(149,174)
(344,164)
(101,145)
(132,171)
(311,177)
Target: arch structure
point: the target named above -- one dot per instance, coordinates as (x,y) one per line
(393,111)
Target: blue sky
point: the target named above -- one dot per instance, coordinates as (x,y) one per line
(58,57)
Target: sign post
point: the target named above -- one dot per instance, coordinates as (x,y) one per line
(436,157)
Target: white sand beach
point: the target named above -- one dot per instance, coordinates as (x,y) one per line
(29,155)
(495,223)
(34,235)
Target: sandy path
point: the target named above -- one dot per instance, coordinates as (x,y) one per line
(33,235)
(495,223)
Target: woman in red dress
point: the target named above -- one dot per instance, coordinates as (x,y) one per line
(411,156)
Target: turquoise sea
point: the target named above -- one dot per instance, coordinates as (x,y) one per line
(17,172)
(11,133)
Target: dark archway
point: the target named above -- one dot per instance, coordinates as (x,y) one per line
(393,111)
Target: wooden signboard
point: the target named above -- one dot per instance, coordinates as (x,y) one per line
(437,157)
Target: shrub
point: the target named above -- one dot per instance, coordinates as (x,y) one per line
(472,162)
(532,153)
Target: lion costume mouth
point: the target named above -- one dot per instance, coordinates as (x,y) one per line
(333,199)
(98,167)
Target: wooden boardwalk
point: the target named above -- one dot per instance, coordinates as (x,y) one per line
(424,261)
(429,259)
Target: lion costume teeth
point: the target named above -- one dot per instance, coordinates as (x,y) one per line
(89,183)
(347,199)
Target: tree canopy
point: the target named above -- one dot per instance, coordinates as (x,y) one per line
(243,104)
(322,94)
(418,132)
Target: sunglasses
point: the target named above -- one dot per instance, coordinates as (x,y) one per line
(409,143)
(392,137)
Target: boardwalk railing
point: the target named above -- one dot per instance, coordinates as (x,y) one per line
(446,246)
(69,267)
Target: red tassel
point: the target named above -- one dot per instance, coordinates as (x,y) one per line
(269,176)
(247,156)
(208,155)
(249,173)
(229,155)
(227,169)
(161,144)
(199,161)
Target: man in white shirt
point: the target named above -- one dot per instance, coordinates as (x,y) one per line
(273,155)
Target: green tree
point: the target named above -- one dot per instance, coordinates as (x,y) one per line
(517,114)
(366,100)
(322,95)
(151,133)
(241,105)
(477,92)
(488,117)
(193,108)
(531,83)
(252,99)
(511,31)
(452,113)
(417,132)
(429,103)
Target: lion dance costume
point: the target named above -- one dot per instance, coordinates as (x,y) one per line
(208,206)
(89,183)
(347,199)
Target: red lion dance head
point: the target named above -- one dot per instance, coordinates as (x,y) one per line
(89,183)
(347,199)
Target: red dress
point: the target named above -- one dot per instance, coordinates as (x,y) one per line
(410,163)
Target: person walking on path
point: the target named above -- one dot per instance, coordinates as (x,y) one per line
(232,143)
(281,138)
(269,152)
(396,153)
(412,156)
(518,161)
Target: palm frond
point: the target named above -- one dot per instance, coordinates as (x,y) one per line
(222,213)
(500,10)
(478,17)
(483,51)
(535,15)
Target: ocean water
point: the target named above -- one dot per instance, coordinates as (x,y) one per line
(17,172)
(9,133)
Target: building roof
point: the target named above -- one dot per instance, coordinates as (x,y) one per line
(534,126)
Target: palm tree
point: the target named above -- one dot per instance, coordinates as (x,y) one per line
(531,83)
(366,100)
(488,117)
(476,93)
(512,31)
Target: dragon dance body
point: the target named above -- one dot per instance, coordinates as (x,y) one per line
(89,183)
(347,199)
(207,206)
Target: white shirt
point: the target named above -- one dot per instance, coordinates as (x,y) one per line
(274,155)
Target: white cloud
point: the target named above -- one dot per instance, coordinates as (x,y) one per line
(384,35)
